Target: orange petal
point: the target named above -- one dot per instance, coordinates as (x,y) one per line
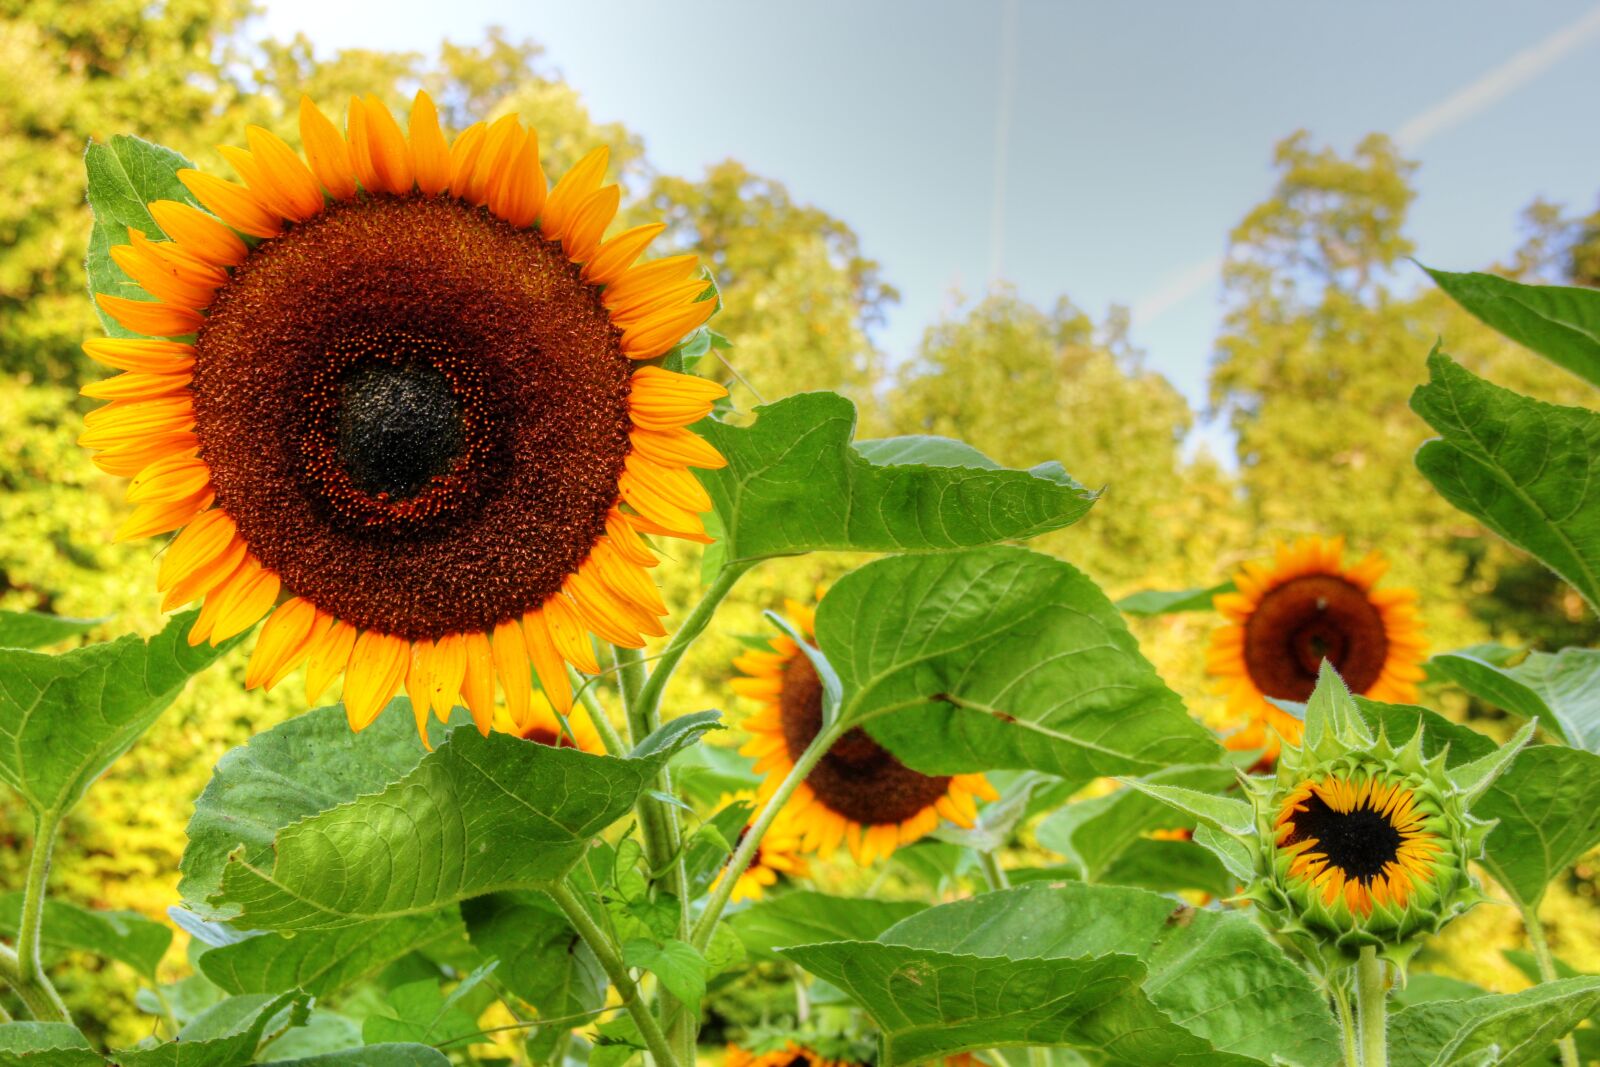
(233,204)
(377,664)
(326,149)
(391,156)
(570,192)
(131,457)
(674,484)
(511,664)
(617,255)
(206,576)
(647,277)
(429,152)
(282,642)
(677,448)
(464,153)
(329,657)
(150,318)
(517,194)
(141,355)
(160,279)
(449,668)
(198,234)
(288,175)
(655,301)
(589,223)
(136,386)
(419,683)
(360,140)
(548,662)
(160,516)
(568,634)
(500,146)
(248,600)
(654,335)
(477,683)
(174,478)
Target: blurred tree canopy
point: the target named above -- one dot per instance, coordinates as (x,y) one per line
(1323,341)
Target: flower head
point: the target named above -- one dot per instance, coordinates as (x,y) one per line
(858,793)
(1298,609)
(396,395)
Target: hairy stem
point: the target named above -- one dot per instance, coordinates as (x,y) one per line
(993,873)
(692,628)
(1547,973)
(1347,1024)
(30,981)
(615,746)
(610,957)
(1371,1005)
(752,839)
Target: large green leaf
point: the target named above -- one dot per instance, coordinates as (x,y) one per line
(124,176)
(802,917)
(1128,973)
(1548,807)
(119,935)
(225,1036)
(65,719)
(1560,322)
(324,961)
(1560,691)
(542,959)
(477,815)
(1511,1028)
(29,1044)
(1001,657)
(384,1055)
(1170,601)
(1093,833)
(794,483)
(1529,471)
(34,629)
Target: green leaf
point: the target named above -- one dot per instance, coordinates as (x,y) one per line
(1561,691)
(794,483)
(1165,866)
(670,738)
(420,1012)
(1000,657)
(802,917)
(1092,833)
(1229,814)
(707,772)
(1560,322)
(1519,1027)
(119,935)
(1167,602)
(65,719)
(225,1036)
(322,962)
(124,176)
(1548,807)
(999,819)
(385,1055)
(1528,964)
(314,847)
(1529,471)
(1229,851)
(34,629)
(677,965)
(29,1044)
(323,1031)
(542,959)
(707,850)
(1332,711)
(373,1056)
(1121,971)
(1474,779)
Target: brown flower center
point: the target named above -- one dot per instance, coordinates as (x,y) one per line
(1306,620)
(544,735)
(858,778)
(415,413)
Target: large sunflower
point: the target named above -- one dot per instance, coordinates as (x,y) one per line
(395,396)
(1294,611)
(858,793)
(779,853)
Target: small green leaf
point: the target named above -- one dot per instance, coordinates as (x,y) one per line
(1168,602)
(1560,322)
(804,916)
(284,843)
(1529,471)
(1000,658)
(124,176)
(419,1012)
(225,1036)
(1229,851)
(794,483)
(385,1055)
(119,935)
(1474,779)
(65,719)
(1548,807)
(322,962)
(542,959)
(1092,833)
(1518,1027)
(708,849)
(29,1044)
(677,965)
(670,738)
(1332,711)
(1132,975)
(1229,814)
(33,629)
(1560,691)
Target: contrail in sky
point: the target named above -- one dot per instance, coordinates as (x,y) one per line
(1463,104)
(1002,136)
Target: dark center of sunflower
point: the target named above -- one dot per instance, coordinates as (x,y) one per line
(399,427)
(1359,842)
(544,735)
(415,413)
(1306,620)
(858,778)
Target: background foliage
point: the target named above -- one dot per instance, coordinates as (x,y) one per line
(1314,366)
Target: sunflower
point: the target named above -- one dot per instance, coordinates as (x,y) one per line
(858,793)
(789,1054)
(396,396)
(778,853)
(1293,612)
(545,727)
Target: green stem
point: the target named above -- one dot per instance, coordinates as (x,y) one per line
(1547,973)
(30,981)
(1371,996)
(993,873)
(1347,1024)
(642,720)
(605,950)
(615,746)
(692,628)
(752,839)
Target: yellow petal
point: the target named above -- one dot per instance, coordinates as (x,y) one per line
(377,664)
(511,664)
(477,683)
(429,152)
(327,151)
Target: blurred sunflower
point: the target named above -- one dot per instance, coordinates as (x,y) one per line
(858,793)
(1297,609)
(544,726)
(411,407)
(790,1054)
(778,854)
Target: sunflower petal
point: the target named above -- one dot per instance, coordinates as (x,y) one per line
(198,234)
(152,318)
(327,151)
(430,152)
(477,684)
(233,204)
(377,664)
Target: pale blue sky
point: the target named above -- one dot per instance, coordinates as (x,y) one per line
(1137,134)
